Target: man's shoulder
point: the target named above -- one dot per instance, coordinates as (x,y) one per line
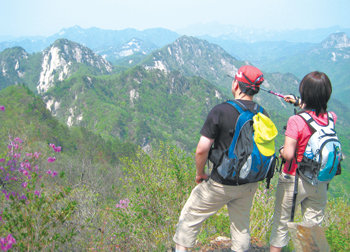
(224,106)
(252,105)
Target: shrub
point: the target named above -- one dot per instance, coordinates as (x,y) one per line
(337,224)
(155,188)
(34,214)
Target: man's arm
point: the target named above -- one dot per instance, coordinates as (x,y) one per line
(202,152)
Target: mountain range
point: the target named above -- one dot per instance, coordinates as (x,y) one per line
(112,44)
(254,35)
(296,51)
(96,38)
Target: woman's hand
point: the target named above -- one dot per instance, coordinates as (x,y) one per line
(296,101)
(290,98)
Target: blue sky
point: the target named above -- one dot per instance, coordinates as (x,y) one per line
(46,17)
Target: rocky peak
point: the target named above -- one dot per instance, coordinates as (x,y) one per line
(194,57)
(11,61)
(61,59)
(134,46)
(336,40)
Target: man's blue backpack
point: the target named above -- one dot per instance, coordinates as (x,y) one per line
(251,155)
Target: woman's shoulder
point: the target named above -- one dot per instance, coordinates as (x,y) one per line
(296,119)
(321,119)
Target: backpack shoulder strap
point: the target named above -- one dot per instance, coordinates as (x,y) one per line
(241,107)
(306,116)
(260,109)
(309,120)
(331,120)
(313,124)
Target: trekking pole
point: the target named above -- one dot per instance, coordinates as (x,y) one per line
(295,103)
(272,92)
(275,93)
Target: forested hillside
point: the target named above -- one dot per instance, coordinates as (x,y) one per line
(137,105)
(84,153)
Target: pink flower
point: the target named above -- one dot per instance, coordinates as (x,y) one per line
(52,173)
(17,155)
(24,184)
(37,193)
(23,197)
(51,159)
(58,149)
(7,195)
(25,164)
(123,204)
(7,242)
(18,140)
(2,108)
(55,148)
(2,160)
(37,154)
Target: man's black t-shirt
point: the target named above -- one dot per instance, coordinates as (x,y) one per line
(219,125)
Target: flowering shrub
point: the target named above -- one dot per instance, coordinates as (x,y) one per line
(7,242)
(32,216)
(123,204)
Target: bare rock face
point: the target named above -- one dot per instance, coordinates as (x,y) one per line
(60,59)
(195,57)
(337,40)
(308,237)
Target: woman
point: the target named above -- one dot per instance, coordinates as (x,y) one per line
(315,90)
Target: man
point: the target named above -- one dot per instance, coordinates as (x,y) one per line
(213,193)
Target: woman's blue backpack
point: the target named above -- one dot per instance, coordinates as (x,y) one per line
(322,154)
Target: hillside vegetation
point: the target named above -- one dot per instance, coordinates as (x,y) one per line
(84,154)
(142,215)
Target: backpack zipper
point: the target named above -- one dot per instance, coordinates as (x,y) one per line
(335,156)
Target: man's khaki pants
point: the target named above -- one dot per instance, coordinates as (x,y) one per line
(205,200)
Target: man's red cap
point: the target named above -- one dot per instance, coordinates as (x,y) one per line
(250,75)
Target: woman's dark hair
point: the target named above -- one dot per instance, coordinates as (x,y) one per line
(315,90)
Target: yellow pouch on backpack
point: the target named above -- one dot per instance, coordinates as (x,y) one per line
(265,133)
